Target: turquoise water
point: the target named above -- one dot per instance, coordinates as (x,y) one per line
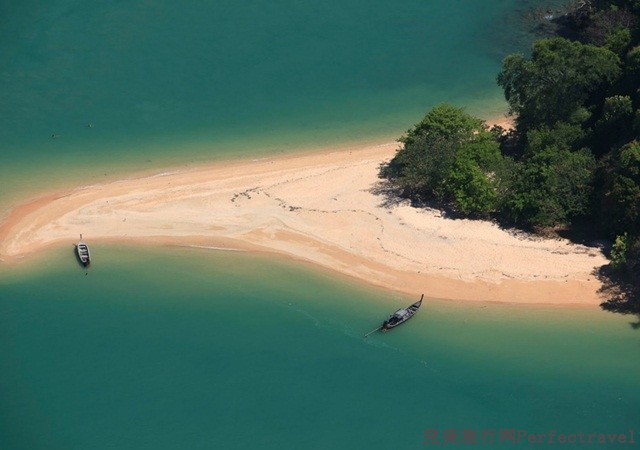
(177,348)
(174,83)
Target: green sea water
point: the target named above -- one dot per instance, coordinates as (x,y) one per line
(128,86)
(172,348)
(181,348)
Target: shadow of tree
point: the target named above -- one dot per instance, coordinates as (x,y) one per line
(623,297)
(391,194)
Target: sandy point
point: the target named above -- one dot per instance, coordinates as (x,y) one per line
(328,208)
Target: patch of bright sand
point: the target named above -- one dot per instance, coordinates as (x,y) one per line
(324,208)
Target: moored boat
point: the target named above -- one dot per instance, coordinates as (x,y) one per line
(82,250)
(402,315)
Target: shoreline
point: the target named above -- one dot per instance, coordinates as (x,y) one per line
(323,207)
(521,293)
(18,199)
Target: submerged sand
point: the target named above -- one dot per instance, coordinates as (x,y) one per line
(328,208)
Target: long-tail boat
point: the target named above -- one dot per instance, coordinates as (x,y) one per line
(402,315)
(399,317)
(82,250)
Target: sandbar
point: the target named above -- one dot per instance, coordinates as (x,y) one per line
(328,208)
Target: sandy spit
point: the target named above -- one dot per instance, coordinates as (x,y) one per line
(327,208)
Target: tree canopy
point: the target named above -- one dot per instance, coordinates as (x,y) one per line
(445,121)
(574,156)
(558,79)
(452,158)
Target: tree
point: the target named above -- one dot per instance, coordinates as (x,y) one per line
(556,81)
(632,62)
(625,259)
(445,121)
(563,136)
(551,187)
(471,189)
(619,251)
(618,40)
(618,107)
(421,167)
(632,71)
(479,177)
(633,5)
(620,193)
(451,158)
(615,125)
(610,27)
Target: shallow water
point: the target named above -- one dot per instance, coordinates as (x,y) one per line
(125,86)
(181,348)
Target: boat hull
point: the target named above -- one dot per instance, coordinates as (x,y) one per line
(82,252)
(401,316)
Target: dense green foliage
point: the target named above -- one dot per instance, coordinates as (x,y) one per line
(574,155)
(551,187)
(478,178)
(556,81)
(619,252)
(450,157)
(445,122)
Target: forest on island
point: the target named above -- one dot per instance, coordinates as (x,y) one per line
(571,165)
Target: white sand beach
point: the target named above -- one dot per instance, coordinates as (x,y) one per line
(325,208)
